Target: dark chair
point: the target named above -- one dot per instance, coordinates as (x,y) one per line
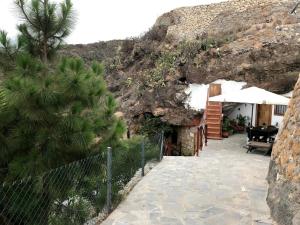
(261,137)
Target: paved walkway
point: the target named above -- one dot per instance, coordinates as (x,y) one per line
(224,186)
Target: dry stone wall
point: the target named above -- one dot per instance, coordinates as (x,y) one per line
(284,172)
(188,23)
(186,140)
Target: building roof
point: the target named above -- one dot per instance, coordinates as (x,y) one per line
(252,95)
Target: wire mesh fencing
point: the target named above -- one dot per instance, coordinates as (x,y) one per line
(127,160)
(77,192)
(71,194)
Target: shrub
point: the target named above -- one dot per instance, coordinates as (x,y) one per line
(156,33)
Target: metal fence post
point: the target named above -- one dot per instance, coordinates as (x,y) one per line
(143,157)
(109,179)
(161,146)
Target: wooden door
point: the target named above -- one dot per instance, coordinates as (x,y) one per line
(264,115)
(215,89)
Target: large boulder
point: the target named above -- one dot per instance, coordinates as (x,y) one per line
(284,171)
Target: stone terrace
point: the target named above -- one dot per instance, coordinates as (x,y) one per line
(223,186)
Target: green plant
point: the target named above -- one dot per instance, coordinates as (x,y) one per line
(208,43)
(226,124)
(153,126)
(241,120)
(189,49)
(164,65)
(156,33)
(127,160)
(129,81)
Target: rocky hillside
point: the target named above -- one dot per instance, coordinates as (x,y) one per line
(284,173)
(256,41)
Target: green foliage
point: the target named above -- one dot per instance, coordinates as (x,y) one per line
(153,126)
(71,194)
(45,25)
(226,124)
(76,192)
(129,81)
(241,120)
(127,160)
(7,46)
(156,33)
(9,51)
(164,65)
(51,115)
(167,62)
(189,49)
(49,118)
(208,43)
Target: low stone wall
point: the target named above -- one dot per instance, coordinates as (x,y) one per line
(186,140)
(284,172)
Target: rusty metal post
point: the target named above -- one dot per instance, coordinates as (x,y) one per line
(109,179)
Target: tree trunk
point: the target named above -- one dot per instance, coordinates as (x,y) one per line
(45,52)
(45,38)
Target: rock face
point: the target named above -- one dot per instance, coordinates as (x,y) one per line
(284,172)
(257,41)
(187,23)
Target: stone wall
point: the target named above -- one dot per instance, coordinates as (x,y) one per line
(186,140)
(189,22)
(284,172)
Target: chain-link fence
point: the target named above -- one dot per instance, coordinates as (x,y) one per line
(77,192)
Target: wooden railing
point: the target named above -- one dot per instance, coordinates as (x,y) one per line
(221,119)
(201,138)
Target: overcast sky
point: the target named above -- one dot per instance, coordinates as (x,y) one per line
(101,20)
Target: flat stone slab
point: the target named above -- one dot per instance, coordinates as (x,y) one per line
(223,186)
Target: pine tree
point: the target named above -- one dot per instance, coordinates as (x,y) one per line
(50,115)
(45,25)
(49,120)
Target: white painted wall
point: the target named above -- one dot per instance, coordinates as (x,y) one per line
(276,120)
(245,110)
(198,96)
(198,92)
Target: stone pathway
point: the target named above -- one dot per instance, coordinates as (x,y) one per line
(224,186)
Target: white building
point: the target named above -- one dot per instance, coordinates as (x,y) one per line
(260,107)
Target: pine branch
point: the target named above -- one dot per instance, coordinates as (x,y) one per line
(21,6)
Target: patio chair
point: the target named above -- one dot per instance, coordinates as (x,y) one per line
(261,137)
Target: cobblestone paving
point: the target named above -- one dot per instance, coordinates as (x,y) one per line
(224,186)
